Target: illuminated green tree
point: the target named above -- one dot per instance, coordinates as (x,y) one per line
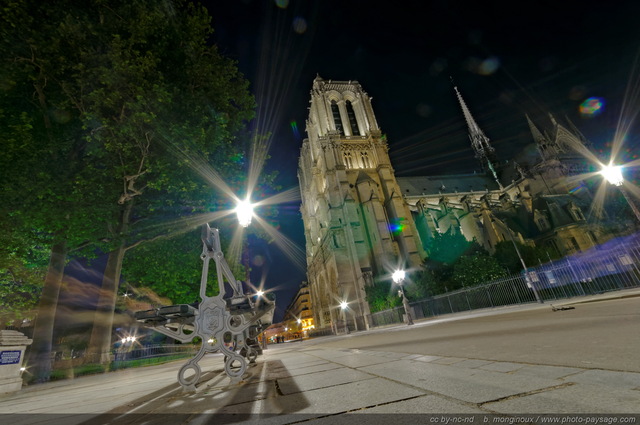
(131,100)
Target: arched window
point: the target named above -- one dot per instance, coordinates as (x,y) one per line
(336,117)
(364,156)
(348,160)
(352,119)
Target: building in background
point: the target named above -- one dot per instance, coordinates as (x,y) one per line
(298,317)
(357,225)
(362,222)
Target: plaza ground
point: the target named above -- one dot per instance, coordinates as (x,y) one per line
(522,360)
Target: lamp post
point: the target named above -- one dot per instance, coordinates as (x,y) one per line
(524,266)
(613,174)
(343,308)
(244,213)
(398,278)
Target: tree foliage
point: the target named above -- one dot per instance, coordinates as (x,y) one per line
(114,108)
(446,248)
(476,269)
(381,296)
(507,256)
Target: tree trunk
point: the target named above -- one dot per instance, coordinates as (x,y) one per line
(40,351)
(99,349)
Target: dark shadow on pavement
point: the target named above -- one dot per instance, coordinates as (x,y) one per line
(256,398)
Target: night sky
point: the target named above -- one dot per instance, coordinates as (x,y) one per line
(507,59)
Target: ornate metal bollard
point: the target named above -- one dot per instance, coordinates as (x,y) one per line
(229,322)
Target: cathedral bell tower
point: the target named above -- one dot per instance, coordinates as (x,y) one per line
(358,228)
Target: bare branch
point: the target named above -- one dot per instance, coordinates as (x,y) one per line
(141,241)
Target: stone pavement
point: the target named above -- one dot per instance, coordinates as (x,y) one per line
(311,382)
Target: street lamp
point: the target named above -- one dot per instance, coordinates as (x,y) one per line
(398,278)
(244,211)
(524,265)
(613,174)
(343,307)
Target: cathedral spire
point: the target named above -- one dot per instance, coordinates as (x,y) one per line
(546,148)
(577,132)
(479,142)
(537,135)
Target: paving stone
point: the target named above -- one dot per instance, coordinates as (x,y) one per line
(572,399)
(630,380)
(502,367)
(335,399)
(324,379)
(551,372)
(472,363)
(427,358)
(412,356)
(391,355)
(360,360)
(469,385)
(424,404)
(448,360)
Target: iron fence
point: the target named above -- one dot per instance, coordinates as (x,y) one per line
(610,267)
(126,353)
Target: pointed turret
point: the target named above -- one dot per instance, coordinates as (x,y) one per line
(479,142)
(537,134)
(545,147)
(578,134)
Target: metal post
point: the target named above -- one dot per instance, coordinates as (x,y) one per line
(405,304)
(524,266)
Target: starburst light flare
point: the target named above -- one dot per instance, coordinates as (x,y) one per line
(613,174)
(244,211)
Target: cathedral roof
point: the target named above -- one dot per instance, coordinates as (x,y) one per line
(433,185)
(557,207)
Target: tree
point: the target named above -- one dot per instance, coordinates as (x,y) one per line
(507,256)
(476,269)
(447,247)
(445,250)
(381,296)
(130,99)
(44,164)
(161,102)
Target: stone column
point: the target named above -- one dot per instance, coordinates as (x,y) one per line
(12,347)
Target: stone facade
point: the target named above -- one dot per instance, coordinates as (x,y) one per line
(362,222)
(357,224)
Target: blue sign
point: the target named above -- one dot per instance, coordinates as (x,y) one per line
(9,357)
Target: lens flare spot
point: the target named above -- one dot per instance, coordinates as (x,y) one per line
(489,66)
(299,25)
(591,107)
(282,4)
(294,129)
(258,261)
(397,226)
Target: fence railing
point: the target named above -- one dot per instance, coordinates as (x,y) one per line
(125,354)
(611,267)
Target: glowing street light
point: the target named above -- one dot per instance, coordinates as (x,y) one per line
(613,174)
(244,212)
(343,308)
(398,278)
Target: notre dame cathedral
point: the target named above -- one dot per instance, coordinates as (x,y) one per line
(362,222)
